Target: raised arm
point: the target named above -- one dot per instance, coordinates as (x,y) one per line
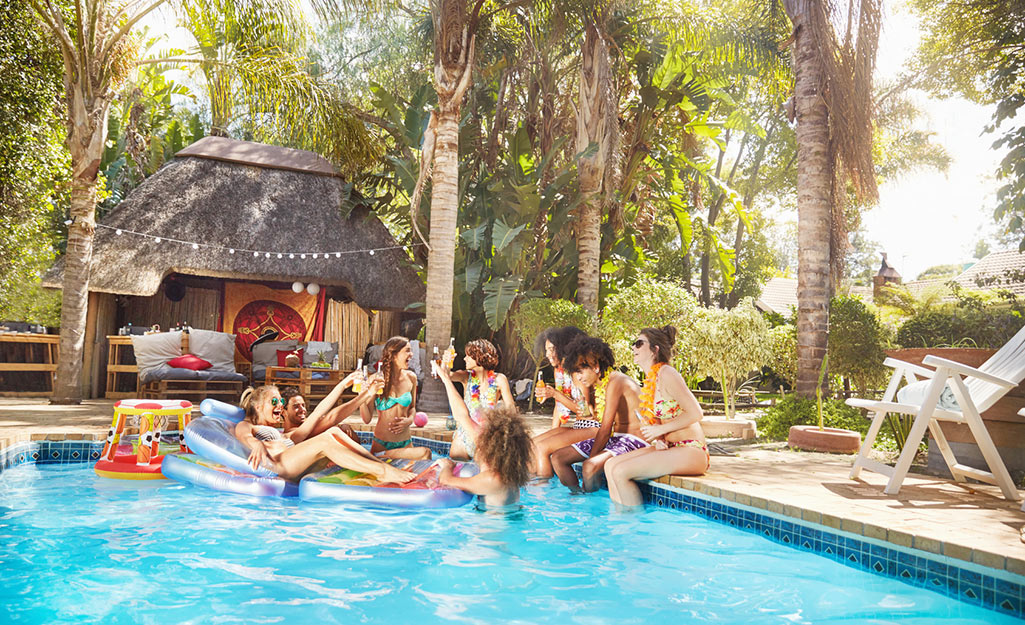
(455,401)
(313,427)
(332,398)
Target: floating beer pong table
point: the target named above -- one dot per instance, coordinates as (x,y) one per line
(152,416)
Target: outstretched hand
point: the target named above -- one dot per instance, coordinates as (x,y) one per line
(440,371)
(257,455)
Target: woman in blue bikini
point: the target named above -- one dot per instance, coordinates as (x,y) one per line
(395,407)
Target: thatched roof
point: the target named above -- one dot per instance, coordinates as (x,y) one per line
(247,196)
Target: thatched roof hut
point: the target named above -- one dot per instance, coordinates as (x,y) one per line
(229,195)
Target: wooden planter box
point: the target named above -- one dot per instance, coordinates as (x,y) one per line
(1005,426)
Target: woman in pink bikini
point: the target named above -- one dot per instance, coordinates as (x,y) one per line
(671,421)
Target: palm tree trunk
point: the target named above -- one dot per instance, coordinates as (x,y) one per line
(814,203)
(453,68)
(86,136)
(592,122)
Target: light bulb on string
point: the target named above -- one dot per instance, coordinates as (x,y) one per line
(315,256)
(291,255)
(338,254)
(118,232)
(279,255)
(266,255)
(231,250)
(302,256)
(195,246)
(255,254)
(157,240)
(371,252)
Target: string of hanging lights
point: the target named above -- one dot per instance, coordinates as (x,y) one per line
(302,255)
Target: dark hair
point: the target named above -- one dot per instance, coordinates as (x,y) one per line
(253,396)
(394,345)
(662,341)
(504,445)
(588,351)
(561,338)
(484,352)
(288,392)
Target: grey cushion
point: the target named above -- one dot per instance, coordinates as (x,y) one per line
(165,372)
(153,350)
(221,376)
(315,348)
(914,394)
(266,354)
(217,348)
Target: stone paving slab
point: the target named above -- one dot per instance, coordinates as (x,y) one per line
(965,522)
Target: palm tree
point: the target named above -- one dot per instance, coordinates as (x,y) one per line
(832,102)
(99,50)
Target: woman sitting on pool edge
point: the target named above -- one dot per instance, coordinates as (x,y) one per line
(483,389)
(672,422)
(291,458)
(612,398)
(503,450)
(396,406)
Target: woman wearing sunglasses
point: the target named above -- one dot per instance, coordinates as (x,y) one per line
(670,420)
(293,455)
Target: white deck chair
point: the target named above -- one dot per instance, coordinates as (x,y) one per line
(975,391)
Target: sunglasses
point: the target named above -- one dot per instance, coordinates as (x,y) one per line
(638,343)
(274,401)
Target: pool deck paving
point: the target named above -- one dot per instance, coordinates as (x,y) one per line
(964,522)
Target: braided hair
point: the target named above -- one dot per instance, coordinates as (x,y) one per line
(394,345)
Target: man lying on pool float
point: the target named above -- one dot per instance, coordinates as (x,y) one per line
(292,455)
(325,415)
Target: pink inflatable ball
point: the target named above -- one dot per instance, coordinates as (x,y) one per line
(420,419)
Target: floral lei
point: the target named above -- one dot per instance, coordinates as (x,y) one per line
(599,398)
(490,394)
(647,407)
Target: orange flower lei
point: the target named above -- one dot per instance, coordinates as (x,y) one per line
(647,407)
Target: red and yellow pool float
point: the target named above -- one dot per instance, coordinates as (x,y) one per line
(143,463)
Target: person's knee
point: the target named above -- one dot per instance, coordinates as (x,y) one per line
(591,468)
(612,470)
(424,453)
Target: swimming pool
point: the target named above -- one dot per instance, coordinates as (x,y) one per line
(78,548)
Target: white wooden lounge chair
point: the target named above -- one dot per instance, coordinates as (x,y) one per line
(974,390)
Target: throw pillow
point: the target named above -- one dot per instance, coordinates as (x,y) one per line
(189,361)
(266,354)
(217,348)
(153,350)
(284,353)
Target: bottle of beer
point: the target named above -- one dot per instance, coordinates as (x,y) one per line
(539,388)
(437,360)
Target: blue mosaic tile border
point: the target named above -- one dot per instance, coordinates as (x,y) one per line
(50,452)
(910,566)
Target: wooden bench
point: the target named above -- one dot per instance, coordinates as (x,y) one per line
(48,347)
(193,390)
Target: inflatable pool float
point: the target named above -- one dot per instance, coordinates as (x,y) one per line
(120,461)
(339,485)
(192,469)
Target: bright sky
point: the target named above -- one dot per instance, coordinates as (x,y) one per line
(932,218)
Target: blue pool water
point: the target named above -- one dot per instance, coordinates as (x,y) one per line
(75,548)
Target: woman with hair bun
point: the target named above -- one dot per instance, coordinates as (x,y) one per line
(483,389)
(671,422)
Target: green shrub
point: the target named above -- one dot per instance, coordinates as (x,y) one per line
(729,345)
(856,343)
(651,304)
(775,424)
(963,326)
(783,353)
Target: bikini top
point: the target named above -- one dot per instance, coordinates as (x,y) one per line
(384,403)
(267,433)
